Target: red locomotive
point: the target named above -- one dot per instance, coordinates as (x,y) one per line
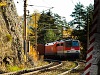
(63,48)
(51,49)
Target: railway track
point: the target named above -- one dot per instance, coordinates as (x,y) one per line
(74,70)
(54,66)
(30,71)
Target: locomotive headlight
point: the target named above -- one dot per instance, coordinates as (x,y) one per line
(77,51)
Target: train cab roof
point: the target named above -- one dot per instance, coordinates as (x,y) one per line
(61,41)
(51,43)
(72,40)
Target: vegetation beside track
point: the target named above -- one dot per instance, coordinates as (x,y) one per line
(10,68)
(79,70)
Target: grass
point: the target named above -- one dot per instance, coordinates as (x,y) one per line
(10,68)
(13,68)
(70,65)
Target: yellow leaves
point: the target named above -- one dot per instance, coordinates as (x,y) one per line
(25,58)
(67,33)
(35,18)
(33,53)
(33,23)
(3,3)
(29,31)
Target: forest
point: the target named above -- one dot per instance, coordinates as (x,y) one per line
(48,26)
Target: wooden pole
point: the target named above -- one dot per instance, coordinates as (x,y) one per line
(35,32)
(25,31)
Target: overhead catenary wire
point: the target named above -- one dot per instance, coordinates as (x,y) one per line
(32,7)
(35,15)
(38,5)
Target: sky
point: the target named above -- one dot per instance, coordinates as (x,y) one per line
(63,8)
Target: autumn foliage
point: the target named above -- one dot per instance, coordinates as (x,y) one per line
(33,53)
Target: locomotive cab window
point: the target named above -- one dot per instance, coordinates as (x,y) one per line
(58,45)
(68,43)
(75,43)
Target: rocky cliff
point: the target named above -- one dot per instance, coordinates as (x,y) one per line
(11,40)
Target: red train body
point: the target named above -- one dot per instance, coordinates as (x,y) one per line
(50,48)
(63,48)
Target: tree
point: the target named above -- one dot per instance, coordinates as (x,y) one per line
(48,24)
(49,27)
(32,25)
(61,24)
(50,36)
(86,19)
(89,17)
(78,14)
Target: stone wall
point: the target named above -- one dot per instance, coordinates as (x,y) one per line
(11,40)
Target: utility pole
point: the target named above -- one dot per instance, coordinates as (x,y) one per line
(25,25)
(35,32)
(25,31)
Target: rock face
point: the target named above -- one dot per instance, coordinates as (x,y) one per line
(11,40)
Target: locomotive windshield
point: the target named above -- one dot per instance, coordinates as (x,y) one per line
(71,43)
(75,43)
(68,43)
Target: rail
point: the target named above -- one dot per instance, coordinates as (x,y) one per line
(50,66)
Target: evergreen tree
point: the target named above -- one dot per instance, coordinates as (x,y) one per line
(45,23)
(49,23)
(78,14)
(83,19)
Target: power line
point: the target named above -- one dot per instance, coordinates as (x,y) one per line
(39,6)
(32,6)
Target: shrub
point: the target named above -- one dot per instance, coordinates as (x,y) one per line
(12,68)
(33,53)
